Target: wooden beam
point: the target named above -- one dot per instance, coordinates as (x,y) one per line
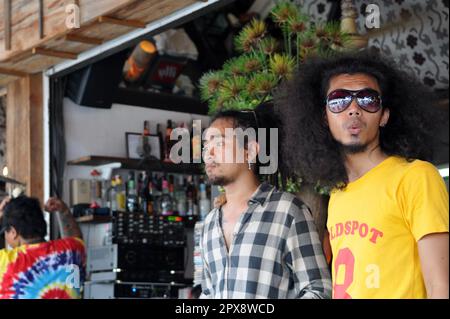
(127,23)
(7,26)
(83,39)
(12,72)
(54,53)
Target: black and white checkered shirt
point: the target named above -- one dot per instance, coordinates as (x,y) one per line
(275,253)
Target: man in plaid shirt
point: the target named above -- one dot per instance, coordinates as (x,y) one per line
(261,243)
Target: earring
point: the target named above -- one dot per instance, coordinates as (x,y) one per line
(249,166)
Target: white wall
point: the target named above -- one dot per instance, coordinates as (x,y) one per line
(93,131)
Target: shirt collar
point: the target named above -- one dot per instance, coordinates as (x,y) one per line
(261,194)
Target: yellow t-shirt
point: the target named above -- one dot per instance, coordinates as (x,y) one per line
(374,226)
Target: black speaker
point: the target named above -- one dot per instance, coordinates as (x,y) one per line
(96,84)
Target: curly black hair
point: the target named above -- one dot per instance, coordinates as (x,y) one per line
(307,146)
(26,216)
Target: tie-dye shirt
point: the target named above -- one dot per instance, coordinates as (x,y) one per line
(48,270)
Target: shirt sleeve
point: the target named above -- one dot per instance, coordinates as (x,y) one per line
(424,200)
(206,275)
(305,256)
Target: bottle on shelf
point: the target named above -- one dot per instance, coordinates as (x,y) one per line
(166,201)
(143,148)
(172,193)
(150,199)
(132,200)
(96,190)
(120,193)
(190,197)
(142,192)
(204,203)
(168,142)
(146,131)
(196,184)
(162,148)
(113,195)
(180,196)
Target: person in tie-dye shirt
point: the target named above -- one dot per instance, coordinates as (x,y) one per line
(34,268)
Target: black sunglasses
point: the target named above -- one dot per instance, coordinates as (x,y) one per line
(253,113)
(367,99)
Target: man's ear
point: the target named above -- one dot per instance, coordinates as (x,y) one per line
(385,117)
(252,151)
(12,232)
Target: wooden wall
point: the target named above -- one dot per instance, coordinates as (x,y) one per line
(24,133)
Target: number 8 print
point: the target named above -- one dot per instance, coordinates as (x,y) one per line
(344,258)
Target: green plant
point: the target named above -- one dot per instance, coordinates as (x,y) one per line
(249,79)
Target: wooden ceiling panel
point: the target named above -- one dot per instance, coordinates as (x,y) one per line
(31,54)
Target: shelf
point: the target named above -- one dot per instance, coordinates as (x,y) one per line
(127,163)
(163,101)
(94,219)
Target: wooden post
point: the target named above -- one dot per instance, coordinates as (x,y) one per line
(24,133)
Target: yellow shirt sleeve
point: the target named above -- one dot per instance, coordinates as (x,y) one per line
(424,199)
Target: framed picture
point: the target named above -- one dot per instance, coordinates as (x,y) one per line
(138,147)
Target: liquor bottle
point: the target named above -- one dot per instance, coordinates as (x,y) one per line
(172,193)
(143,148)
(120,194)
(96,189)
(190,193)
(143,192)
(168,142)
(146,131)
(156,194)
(166,200)
(196,195)
(162,148)
(132,201)
(113,195)
(150,199)
(205,203)
(180,196)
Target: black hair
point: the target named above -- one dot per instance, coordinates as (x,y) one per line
(263,116)
(26,216)
(317,157)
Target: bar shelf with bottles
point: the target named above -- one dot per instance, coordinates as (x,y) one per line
(159,194)
(152,186)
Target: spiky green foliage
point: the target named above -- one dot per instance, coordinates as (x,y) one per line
(250,78)
(250,36)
